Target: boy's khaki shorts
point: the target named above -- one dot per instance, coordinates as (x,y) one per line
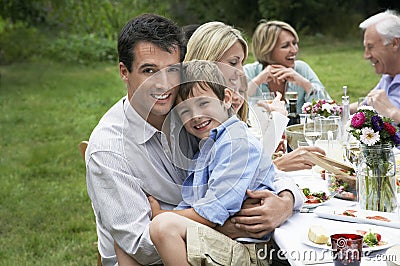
(206,246)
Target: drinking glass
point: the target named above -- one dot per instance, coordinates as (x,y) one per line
(312,129)
(268,96)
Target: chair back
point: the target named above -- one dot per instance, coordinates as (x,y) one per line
(82,148)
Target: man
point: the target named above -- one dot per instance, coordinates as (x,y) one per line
(129,157)
(382,49)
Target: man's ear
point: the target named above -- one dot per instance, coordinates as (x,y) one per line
(123,71)
(396,43)
(228,98)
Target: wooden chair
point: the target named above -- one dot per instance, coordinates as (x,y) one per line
(82,148)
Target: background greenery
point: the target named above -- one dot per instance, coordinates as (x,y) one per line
(59,74)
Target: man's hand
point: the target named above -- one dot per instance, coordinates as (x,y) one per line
(293,161)
(381,103)
(263,212)
(155,207)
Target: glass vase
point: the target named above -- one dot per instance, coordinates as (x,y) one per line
(376,178)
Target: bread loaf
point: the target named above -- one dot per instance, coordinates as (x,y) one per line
(318,234)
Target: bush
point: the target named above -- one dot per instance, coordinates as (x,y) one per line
(83,49)
(18,42)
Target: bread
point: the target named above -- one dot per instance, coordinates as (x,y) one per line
(318,234)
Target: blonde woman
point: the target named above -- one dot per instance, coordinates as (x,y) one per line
(216,41)
(275,46)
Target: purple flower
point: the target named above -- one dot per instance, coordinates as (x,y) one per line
(358,120)
(377,123)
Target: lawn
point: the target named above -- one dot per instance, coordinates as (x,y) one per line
(47,108)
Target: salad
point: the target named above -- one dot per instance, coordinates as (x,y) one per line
(371,239)
(314,197)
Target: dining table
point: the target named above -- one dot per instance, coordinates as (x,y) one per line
(292,236)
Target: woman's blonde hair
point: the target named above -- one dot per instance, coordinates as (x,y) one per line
(265,38)
(210,41)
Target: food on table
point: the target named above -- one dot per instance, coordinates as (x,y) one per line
(344,188)
(379,218)
(371,239)
(351,213)
(318,234)
(314,197)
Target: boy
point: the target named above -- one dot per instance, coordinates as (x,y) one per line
(229,162)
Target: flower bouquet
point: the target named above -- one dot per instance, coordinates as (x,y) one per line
(376,169)
(323,108)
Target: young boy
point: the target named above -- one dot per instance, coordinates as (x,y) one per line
(229,162)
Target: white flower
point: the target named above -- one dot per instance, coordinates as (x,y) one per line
(326,106)
(369,136)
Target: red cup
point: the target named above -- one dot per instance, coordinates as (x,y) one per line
(347,249)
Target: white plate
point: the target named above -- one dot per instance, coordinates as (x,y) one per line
(385,237)
(336,214)
(314,205)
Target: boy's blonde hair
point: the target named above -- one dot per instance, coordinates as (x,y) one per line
(204,73)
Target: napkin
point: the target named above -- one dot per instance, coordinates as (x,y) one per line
(272,131)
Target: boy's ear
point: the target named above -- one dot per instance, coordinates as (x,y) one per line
(228,98)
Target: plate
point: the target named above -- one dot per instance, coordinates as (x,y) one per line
(314,205)
(360,216)
(385,237)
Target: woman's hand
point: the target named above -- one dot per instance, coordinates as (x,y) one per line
(276,105)
(293,161)
(265,76)
(283,74)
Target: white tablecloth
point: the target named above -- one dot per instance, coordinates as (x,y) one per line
(292,235)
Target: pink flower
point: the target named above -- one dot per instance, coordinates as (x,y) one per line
(358,120)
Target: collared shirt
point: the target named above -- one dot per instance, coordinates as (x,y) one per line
(392,88)
(317,90)
(229,162)
(128,159)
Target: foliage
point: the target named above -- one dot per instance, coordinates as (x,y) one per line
(242,14)
(83,49)
(18,42)
(338,18)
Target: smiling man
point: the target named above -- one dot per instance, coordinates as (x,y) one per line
(382,49)
(131,154)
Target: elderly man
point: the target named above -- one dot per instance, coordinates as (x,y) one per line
(382,49)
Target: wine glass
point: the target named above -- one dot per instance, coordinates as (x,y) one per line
(268,96)
(312,130)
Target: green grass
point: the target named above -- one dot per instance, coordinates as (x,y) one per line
(46,215)
(47,108)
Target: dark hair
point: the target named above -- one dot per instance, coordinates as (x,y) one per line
(188,30)
(151,28)
(204,73)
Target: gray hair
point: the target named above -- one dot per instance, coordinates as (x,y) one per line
(387,24)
